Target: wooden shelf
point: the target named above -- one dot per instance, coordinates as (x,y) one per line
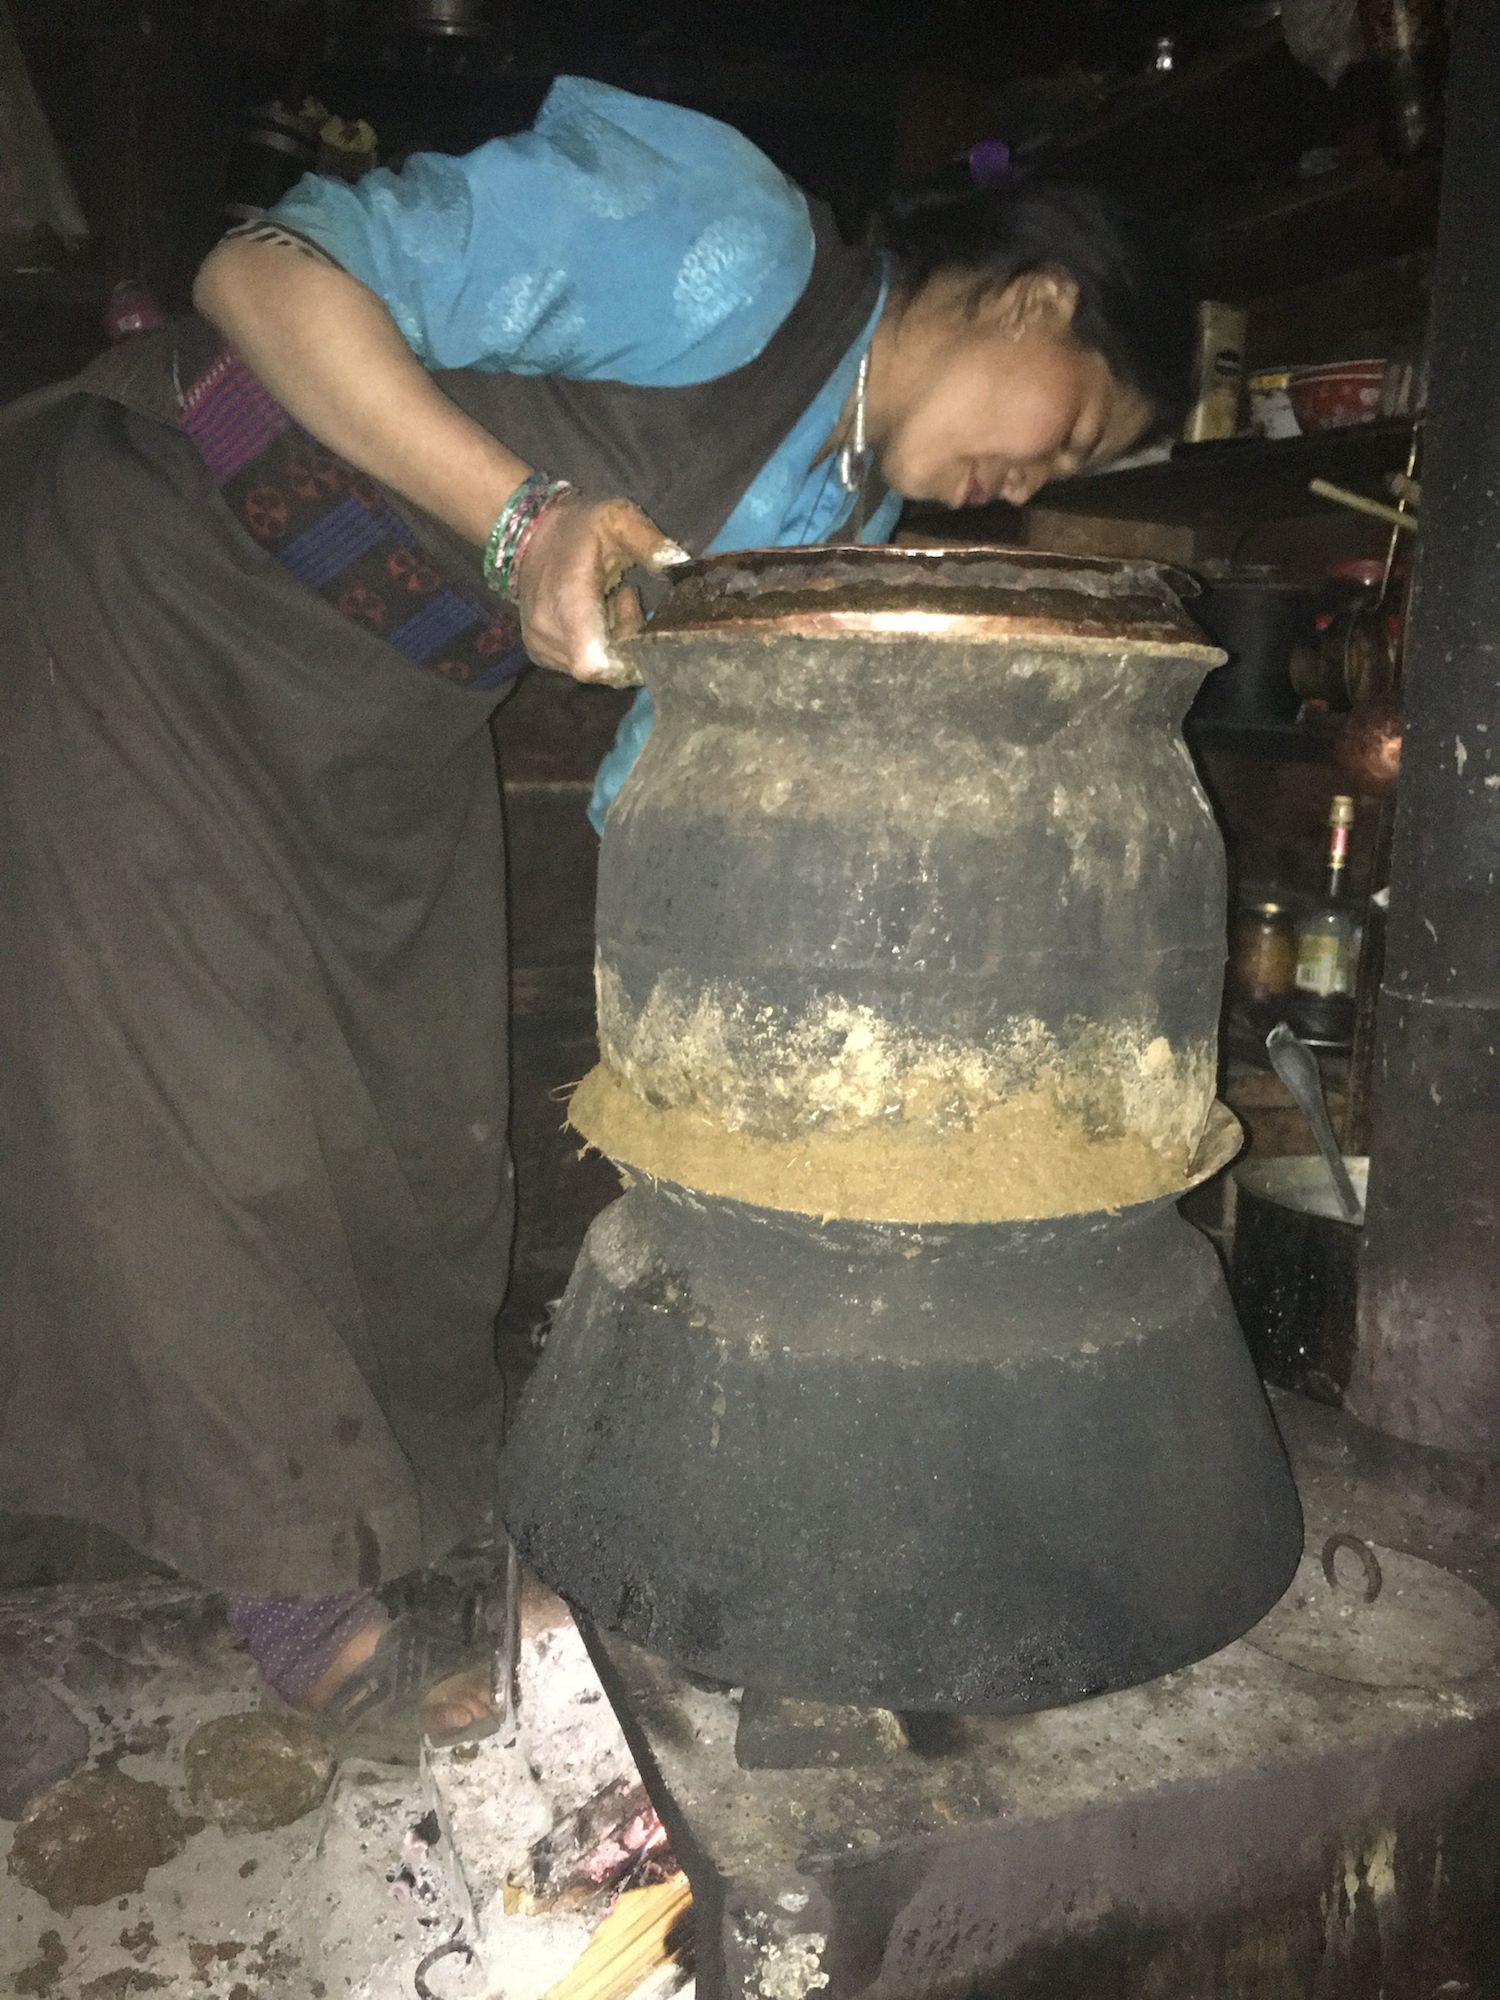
(46,284)
(1139,106)
(1238,478)
(1315,230)
(1363,311)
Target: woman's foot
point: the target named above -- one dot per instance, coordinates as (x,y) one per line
(459,1702)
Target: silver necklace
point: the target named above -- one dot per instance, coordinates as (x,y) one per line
(854,456)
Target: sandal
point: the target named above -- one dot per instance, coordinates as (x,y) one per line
(377,1711)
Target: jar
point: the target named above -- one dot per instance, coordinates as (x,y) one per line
(1264,961)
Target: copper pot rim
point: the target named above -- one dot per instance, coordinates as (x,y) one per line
(994,627)
(889,591)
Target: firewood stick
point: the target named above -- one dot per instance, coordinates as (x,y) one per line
(629,1944)
(1376,509)
(615,1965)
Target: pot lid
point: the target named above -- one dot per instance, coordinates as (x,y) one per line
(966,593)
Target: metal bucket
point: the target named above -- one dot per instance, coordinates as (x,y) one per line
(1294,1273)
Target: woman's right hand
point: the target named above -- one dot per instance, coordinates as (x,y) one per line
(569,585)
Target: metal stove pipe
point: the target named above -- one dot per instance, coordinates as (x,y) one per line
(1428,1365)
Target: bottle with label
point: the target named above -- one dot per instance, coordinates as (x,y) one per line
(1326,949)
(1220,372)
(1408,39)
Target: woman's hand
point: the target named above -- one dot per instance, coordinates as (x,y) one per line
(568,585)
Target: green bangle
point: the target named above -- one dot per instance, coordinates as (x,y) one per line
(492,546)
(531,499)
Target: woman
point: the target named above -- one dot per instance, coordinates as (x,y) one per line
(270,575)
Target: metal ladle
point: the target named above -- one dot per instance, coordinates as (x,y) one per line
(1297,1066)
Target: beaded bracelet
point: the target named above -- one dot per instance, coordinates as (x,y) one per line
(513,525)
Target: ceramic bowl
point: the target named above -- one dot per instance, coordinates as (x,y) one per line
(1337,394)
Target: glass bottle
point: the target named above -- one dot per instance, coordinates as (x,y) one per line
(1326,956)
(1408,39)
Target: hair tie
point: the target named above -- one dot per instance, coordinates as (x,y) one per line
(990,164)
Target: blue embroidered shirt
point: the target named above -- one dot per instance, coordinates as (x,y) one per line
(620,239)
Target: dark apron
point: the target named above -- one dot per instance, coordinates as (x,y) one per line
(255,1195)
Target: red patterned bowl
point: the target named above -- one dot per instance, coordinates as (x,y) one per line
(1337,393)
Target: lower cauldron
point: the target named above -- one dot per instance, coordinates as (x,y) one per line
(979,1467)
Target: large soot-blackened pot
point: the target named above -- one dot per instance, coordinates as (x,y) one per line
(896,1376)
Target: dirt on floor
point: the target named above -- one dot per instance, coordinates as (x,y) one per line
(153,1867)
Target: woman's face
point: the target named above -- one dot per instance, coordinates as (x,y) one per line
(972,404)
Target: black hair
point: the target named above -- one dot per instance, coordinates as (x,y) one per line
(1136,294)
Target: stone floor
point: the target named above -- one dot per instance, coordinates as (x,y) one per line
(345,1903)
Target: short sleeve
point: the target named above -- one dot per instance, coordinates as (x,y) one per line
(620,239)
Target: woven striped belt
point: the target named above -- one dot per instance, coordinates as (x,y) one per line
(335,531)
